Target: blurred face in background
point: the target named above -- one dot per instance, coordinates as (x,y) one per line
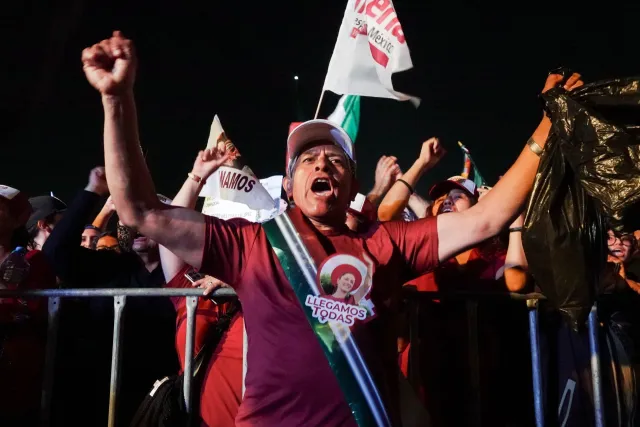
(456,201)
(621,247)
(108,243)
(90,238)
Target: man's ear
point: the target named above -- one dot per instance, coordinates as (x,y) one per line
(42,224)
(287,185)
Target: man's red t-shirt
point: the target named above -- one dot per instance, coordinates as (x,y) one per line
(289,381)
(221,392)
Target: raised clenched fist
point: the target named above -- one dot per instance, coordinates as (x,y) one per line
(110,66)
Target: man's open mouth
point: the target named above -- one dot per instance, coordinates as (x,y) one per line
(321,186)
(446,209)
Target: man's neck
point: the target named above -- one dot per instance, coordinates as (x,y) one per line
(150,260)
(328,225)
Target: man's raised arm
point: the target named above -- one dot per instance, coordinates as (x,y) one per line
(110,68)
(458,231)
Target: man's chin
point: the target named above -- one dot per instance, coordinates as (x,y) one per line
(140,248)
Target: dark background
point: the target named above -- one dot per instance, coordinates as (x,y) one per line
(477,67)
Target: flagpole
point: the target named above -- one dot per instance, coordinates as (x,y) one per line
(319,104)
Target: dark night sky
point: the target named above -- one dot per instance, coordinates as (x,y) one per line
(478,69)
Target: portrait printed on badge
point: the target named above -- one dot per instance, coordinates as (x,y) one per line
(345,283)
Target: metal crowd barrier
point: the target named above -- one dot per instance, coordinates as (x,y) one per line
(532,300)
(119,302)
(472,298)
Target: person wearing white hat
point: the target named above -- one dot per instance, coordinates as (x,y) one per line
(289,382)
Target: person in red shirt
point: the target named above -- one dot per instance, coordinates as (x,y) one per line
(289,381)
(22,321)
(490,266)
(221,389)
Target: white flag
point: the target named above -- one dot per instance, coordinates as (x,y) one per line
(216,133)
(371,47)
(227,209)
(231,184)
(237,186)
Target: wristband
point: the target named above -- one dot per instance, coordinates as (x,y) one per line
(194,177)
(405,183)
(515,230)
(533,146)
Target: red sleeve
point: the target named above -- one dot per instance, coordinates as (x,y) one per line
(227,248)
(417,242)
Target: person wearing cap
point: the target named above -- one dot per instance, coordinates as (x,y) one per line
(23,322)
(289,381)
(488,266)
(47,212)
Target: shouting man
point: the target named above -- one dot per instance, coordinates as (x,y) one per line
(289,382)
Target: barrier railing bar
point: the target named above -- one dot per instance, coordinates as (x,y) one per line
(594,350)
(119,302)
(113,292)
(410,292)
(536,363)
(53,304)
(192,304)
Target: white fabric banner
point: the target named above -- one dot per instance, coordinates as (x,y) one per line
(370,47)
(227,209)
(237,186)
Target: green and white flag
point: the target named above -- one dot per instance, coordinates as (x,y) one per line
(470,167)
(347,115)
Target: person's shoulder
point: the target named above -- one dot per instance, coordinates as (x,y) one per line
(41,273)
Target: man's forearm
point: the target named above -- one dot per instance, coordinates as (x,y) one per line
(398,196)
(126,170)
(102,219)
(501,205)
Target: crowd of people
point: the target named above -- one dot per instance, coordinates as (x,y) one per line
(456,237)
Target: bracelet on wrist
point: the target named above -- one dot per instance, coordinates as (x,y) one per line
(194,177)
(515,230)
(534,147)
(406,183)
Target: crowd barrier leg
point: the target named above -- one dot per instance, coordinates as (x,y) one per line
(49,361)
(119,302)
(473,338)
(192,303)
(596,373)
(536,364)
